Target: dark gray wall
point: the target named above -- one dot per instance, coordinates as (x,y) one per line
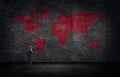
(15,40)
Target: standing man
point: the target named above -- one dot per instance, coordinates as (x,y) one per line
(29,53)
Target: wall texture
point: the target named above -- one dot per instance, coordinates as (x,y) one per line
(92,46)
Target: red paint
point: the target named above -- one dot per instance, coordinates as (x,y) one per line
(79,22)
(31,23)
(83,20)
(62,28)
(41,43)
(95,46)
(45,13)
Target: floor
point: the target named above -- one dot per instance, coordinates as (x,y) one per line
(58,69)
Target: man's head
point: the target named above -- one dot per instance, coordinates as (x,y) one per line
(30,47)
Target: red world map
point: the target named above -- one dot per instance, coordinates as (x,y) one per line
(63,26)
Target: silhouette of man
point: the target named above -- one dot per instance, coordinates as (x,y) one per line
(29,53)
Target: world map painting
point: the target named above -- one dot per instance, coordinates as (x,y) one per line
(58,30)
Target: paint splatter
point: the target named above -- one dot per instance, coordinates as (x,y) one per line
(95,46)
(79,22)
(41,43)
(29,22)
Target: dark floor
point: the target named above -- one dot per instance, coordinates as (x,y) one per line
(59,69)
